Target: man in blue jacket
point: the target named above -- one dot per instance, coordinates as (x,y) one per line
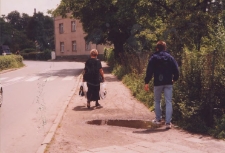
(165,70)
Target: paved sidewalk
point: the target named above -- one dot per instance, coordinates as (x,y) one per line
(74,135)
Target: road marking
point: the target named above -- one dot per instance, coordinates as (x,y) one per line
(33,78)
(51,78)
(7,83)
(68,78)
(15,79)
(3,78)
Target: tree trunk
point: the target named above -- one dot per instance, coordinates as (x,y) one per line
(118,50)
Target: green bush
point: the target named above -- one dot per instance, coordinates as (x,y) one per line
(28,50)
(130,77)
(135,83)
(44,55)
(218,130)
(109,56)
(119,71)
(199,91)
(11,61)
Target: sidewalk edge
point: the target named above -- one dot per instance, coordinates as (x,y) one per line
(57,121)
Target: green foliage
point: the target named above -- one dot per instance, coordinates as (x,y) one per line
(135,62)
(193,93)
(109,56)
(13,18)
(135,83)
(128,74)
(10,61)
(21,31)
(129,63)
(198,95)
(5,32)
(28,50)
(13,32)
(195,125)
(40,29)
(44,55)
(195,35)
(218,130)
(18,59)
(115,22)
(119,71)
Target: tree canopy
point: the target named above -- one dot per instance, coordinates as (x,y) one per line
(105,22)
(138,23)
(40,29)
(21,31)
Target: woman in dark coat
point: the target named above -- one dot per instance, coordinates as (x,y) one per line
(92,73)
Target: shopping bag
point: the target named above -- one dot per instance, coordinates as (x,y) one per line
(83,89)
(103,91)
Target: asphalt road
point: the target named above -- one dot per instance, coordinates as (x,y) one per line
(32,98)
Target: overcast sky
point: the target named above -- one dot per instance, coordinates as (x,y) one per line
(27,6)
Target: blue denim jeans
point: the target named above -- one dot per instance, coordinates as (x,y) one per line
(168,92)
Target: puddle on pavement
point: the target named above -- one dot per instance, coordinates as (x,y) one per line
(138,124)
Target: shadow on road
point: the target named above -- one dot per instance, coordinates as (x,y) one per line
(61,73)
(84,108)
(152,130)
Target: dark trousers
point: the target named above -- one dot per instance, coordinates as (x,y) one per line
(93,92)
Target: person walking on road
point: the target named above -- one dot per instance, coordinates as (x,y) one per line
(165,70)
(92,73)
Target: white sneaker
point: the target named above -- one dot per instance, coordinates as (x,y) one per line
(168,125)
(156,121)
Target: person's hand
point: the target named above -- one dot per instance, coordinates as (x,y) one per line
(146,87)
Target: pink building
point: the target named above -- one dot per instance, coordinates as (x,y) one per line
(69,39)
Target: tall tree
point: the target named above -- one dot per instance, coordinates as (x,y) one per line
(5,32)
(179,22)
(24,21)
(108,21)
(14,18)
(190,23)
(49,33)
(41,30)
(15,34)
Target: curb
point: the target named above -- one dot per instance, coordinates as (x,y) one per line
(51,132)
(9,70)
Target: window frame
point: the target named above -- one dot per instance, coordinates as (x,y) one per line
(61,28)
(74,49)
(87,46)
(62,47)
(73,26)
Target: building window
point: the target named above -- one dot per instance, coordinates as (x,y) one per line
(73,26)
(87,46)
(61,28)
(61,46)
(74,46)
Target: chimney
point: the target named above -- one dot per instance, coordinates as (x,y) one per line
(34,10)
